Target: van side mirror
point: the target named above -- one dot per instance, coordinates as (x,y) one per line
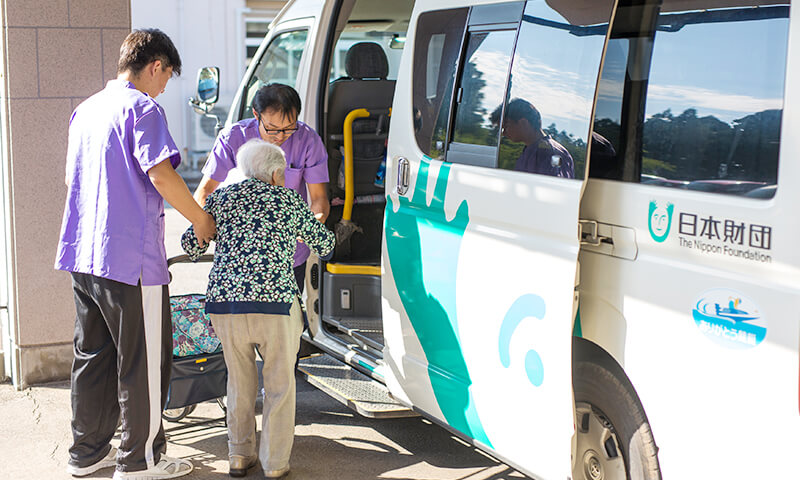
(208,85)
(207,90)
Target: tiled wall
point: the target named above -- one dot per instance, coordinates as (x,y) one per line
(58,52)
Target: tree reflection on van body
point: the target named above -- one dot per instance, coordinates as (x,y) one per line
(723,70)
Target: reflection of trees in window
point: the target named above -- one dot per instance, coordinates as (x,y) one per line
(688,147)
(509,153)
(606,164)
(488,55)
(471,112)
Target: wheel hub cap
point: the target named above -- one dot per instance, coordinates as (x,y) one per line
(592,466)
(597,453)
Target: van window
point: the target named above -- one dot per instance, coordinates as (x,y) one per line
(436,47)
(482,86)
(359,33)
(706,87)
(545,123)
(279,64)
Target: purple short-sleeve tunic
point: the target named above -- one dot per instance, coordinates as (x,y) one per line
(546,157)
(113,225)
(306,160)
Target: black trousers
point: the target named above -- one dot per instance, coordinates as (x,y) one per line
(300,276)
(123,357)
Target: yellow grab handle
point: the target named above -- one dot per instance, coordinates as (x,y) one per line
(349,184)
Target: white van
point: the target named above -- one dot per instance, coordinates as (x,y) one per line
(566,227)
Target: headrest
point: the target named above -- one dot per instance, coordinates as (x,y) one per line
(366,60)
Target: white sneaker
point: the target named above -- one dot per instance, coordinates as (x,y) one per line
(167,467)
(110,460)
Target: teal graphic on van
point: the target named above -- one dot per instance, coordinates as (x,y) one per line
(423,248)
(525,306)
(659,220)
(729,319)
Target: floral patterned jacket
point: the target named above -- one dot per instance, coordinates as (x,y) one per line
(258,225)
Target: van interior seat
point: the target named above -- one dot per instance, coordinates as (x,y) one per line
(365,86)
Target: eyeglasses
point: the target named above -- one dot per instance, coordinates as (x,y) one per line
(275,132)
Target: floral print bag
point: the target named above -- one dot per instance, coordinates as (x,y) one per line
(192,333)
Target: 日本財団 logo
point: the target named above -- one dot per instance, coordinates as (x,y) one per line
(660,220)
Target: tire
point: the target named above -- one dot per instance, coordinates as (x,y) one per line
(614,440)
(177,414)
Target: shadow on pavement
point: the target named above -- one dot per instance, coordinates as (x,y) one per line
(332,442)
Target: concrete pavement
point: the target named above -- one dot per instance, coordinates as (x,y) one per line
(331,442)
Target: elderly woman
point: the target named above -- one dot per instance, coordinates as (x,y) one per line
(252,300)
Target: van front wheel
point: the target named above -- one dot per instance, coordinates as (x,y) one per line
(613,437)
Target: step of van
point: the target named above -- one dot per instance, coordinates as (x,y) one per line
(362,331)
(351,387)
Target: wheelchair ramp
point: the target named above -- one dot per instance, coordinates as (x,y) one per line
(351,387)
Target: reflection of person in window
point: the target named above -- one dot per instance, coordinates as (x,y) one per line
(542,154)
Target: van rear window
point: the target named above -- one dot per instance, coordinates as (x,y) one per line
(694,100)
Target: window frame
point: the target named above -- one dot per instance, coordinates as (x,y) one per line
(451,97)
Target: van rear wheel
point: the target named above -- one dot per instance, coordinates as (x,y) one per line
(614,441)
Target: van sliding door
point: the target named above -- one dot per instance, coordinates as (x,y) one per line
(695,290)
(487,157)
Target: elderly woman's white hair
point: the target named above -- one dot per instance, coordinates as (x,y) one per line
(260,159)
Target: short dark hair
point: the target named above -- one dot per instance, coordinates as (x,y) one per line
(519,108)
(141,47)
(279,97)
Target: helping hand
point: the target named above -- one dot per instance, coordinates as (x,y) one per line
(205,230)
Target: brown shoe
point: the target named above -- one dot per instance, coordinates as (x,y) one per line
(239,465)
(276,473)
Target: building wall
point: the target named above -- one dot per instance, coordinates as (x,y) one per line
(56,53)
(206,33)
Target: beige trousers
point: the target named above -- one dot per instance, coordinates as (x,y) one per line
(277,338)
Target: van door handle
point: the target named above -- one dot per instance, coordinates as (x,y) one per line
(403,173)
(607,239)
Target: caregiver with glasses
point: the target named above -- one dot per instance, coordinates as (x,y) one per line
(275,110)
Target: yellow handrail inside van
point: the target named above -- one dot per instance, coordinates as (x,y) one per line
(349,183)
(345,269)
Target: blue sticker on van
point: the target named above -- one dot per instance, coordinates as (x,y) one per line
(529,305)
(659,220)
(729,319)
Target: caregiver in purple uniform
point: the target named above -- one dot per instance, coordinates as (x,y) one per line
(275,110)
(121,163)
